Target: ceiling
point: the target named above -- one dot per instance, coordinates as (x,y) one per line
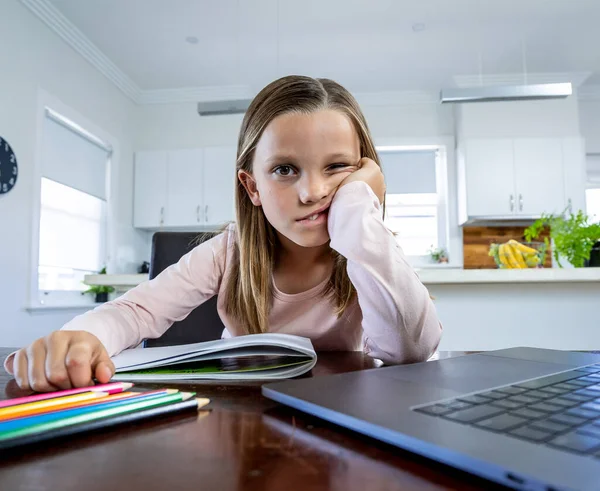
(367,45)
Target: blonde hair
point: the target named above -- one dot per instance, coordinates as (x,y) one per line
(249,290)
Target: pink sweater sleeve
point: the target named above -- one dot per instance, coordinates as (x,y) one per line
(399,319)
(150,308)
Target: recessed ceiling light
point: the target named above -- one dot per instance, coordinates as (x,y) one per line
(418,27)
(191,39)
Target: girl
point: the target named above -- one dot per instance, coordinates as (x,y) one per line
(308,255)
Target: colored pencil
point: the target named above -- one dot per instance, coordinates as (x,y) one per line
(122,408)
(111,388)
(72,405)
(49,403)
(104,403)
(103,424)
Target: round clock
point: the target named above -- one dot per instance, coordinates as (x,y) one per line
(8,167)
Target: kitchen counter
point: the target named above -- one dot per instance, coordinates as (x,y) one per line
(434,276)
(548,275)
(484,309)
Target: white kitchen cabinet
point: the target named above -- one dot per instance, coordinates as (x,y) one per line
(575,174)
(189,189)
(518,178)
(185,188)
(220,179)
(490,177)
(150,192)
(539,176)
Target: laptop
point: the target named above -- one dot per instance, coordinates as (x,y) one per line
(526,418)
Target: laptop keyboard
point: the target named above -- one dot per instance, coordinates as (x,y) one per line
(561,410)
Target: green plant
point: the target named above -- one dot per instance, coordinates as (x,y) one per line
(573,236)
(98,289)
(438,254)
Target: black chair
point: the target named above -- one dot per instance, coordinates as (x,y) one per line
(203,323)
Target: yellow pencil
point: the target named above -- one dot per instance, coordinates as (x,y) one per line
(66,405)
(49,403)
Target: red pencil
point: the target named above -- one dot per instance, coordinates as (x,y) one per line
(111,388)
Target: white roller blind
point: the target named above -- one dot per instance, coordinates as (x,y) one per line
(411,172)
(73,160)
(593,168)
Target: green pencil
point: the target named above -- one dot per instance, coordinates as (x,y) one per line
(105,413)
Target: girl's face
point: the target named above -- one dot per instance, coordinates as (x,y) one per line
(299,162)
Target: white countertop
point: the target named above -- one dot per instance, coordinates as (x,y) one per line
(542,275)
(428,276)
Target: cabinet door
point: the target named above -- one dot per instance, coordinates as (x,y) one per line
(539,176)
(489,174)
(220,180)
(575,173)
(150,189)
(184,188)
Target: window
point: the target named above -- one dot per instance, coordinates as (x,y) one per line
(73,211)
(592,193)
(415,208)
(592,198)
(65,257)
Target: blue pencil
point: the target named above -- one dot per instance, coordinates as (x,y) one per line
(19,423)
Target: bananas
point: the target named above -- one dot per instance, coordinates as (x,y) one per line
(514,255)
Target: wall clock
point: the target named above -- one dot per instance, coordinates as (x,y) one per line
(9,169)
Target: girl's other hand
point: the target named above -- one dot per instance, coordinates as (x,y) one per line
(369,172)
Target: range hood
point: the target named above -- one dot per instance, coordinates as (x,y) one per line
(216,108)
(506,93)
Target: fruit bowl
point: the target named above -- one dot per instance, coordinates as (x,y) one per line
(519,255)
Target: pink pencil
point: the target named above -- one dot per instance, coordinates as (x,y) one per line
(111,388)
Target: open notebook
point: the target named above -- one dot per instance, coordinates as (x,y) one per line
(253,357)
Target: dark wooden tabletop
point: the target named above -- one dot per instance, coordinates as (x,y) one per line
(242,441)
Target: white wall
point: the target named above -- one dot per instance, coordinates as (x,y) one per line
(589,116)
(36,58)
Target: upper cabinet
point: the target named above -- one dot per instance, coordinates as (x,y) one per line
(518,178)
(190,189)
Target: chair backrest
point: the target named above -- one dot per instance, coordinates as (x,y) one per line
(203,323)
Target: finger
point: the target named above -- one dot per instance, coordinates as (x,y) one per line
(9,363)
(367,162)
(102,366)
(56,353)
(36,356)
(20,367)
(79,364)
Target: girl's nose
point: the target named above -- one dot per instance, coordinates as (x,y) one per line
(313,190)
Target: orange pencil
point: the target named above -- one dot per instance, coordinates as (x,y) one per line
(49,403)
(72,405)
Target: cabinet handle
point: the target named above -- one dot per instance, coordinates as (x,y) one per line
(520,202)
(162,215)
(198,213)
(570,206)
(206,214)
(511,202)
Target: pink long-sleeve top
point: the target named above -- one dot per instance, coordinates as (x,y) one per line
(392,318)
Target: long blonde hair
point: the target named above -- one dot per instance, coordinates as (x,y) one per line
(249,291)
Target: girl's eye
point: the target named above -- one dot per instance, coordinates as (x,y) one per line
(337,166)
(284,170)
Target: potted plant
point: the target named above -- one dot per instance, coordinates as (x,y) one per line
(438,254)
(574,238)
(101,291)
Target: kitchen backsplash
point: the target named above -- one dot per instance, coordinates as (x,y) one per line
(477,240)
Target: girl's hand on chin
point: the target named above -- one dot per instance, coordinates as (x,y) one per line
(369,172)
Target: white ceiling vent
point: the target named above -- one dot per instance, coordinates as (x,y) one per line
(215,108)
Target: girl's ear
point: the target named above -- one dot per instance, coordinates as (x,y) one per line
(249,184)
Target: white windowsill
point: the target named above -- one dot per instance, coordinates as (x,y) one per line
(60,308)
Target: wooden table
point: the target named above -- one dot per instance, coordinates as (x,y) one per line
(243,441)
